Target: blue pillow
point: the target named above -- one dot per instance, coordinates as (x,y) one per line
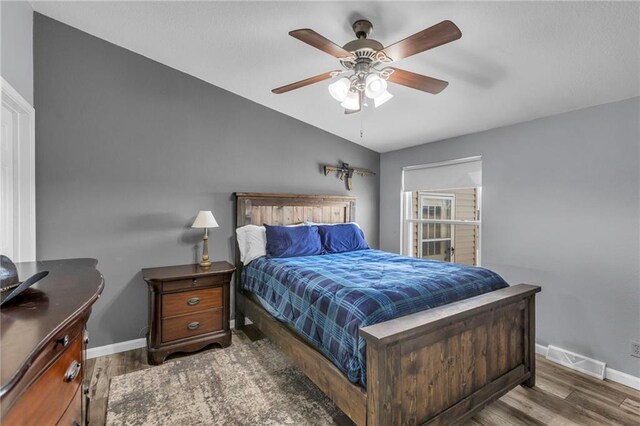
(292,241)
(341,238)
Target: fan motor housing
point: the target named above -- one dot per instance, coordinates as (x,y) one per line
(364,50)
(363,44)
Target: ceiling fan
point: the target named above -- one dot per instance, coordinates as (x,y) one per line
(365,60)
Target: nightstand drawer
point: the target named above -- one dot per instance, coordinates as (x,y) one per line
(192,283)
(192,325)
(191,301)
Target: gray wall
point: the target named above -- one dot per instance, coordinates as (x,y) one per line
(128,150)
(561,209)
(16,49)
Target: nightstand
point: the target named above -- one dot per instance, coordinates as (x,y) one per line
(188,308)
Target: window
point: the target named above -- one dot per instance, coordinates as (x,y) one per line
(435,239)
(441,205)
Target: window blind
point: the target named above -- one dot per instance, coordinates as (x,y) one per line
(462,174)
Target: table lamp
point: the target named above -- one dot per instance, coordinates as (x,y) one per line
(205,220)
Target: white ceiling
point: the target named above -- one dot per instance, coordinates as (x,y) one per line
(515,61)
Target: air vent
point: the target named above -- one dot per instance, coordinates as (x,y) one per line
(577,362)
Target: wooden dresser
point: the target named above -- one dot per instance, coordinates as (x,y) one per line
(188,308)
(43,344)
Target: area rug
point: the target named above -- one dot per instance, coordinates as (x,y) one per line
(248,383)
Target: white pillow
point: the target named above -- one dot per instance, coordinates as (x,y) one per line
(252,241)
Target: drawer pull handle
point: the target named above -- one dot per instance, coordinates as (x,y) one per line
(195,281)
(193,325)
(72,372)
(193,301)
(64,340)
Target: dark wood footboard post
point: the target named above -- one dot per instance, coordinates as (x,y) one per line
(379,398)
(530,343)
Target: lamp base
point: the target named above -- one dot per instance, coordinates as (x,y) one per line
(205,262)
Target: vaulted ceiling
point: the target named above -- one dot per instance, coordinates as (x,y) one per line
(515,61)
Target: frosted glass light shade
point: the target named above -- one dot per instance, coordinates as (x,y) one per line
(381,99)
(340,89)
(351,102)
(375,86)
(205,219)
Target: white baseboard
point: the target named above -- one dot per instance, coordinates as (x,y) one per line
(541,350)
(622,378)
(132,344)
(116,348)
(609,373)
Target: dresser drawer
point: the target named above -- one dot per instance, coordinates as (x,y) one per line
(47,399)
(191,301)
(193,283)
(192,325)
(53,349)
(73,415)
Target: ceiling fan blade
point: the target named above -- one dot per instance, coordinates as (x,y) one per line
(417,81)
(314,39)
(305,82)
(437,35)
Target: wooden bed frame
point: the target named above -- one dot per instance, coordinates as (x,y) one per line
(438,366)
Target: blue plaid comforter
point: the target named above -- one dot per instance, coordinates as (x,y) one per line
(327,298)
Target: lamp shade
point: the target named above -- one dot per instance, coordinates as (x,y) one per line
(381,99)
(351,102)
(375,86)
(340,89)
(205,219)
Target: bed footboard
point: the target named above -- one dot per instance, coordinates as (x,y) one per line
(443,365)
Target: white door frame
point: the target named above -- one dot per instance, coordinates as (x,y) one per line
(24,173)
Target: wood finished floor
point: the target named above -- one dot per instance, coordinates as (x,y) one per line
(561,396)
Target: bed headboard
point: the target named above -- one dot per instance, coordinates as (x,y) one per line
(255,208)
(290,209)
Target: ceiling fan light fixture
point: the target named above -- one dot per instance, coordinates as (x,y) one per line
(381,99)
(375,86)
(340,89)
(365,62)
(351,102)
